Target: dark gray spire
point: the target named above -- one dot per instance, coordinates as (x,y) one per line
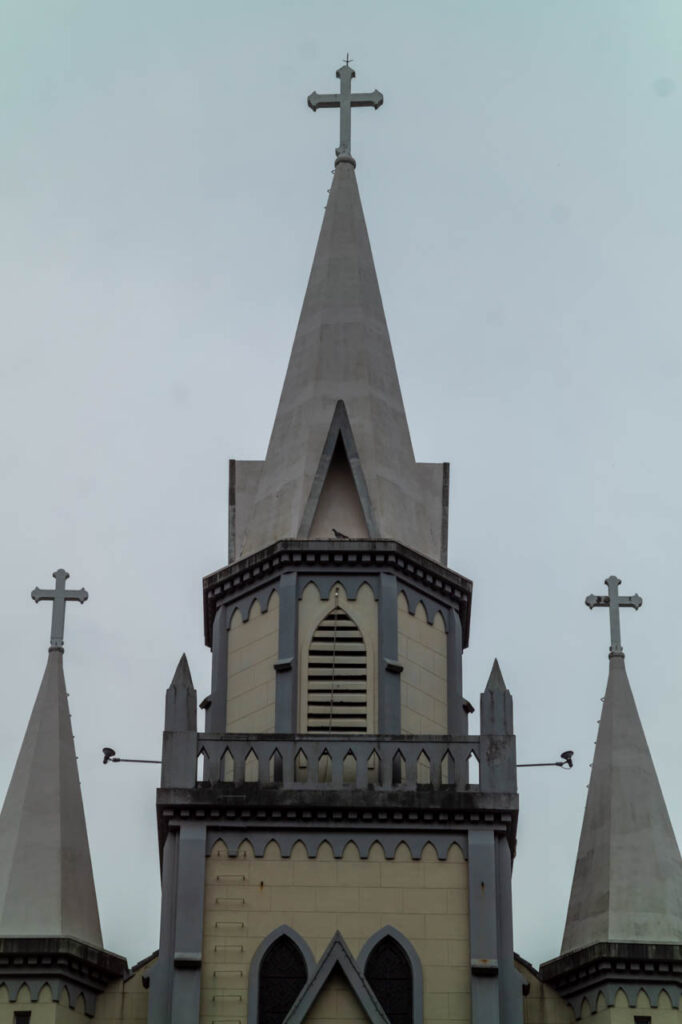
(46,881)
(341,354)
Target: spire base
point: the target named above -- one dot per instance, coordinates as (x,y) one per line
(345,158)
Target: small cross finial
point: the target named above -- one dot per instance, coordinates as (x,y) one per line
(59,596)
(344,100)
(614,602)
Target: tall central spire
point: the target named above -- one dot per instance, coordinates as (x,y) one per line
(340,440)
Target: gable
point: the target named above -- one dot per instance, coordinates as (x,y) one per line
(338,507)
(336,1002)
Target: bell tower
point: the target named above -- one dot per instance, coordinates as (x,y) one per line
(329,851)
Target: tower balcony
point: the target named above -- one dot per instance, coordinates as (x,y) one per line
(334,781)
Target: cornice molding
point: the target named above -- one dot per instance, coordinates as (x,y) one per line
(256,571)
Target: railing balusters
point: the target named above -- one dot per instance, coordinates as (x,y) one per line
(400,761)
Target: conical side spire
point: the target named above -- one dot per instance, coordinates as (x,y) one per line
(46,883)
(627,885)
(341,353)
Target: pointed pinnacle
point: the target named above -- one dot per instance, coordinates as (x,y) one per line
(182,680)
(495,681)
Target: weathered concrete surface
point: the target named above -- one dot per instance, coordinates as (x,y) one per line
(627,885)
(46,882)
(342,351)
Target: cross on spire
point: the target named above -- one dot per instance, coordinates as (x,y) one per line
(614,602)
(59,596)
(344,100)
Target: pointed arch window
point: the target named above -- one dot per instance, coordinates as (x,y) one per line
(389,973)
(283,973)
(337,676)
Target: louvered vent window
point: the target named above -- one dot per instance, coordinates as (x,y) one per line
(337,676)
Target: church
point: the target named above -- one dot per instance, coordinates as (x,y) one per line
(335,845)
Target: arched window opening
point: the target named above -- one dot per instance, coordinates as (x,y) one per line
(337,676)
(282,975)
(389,973)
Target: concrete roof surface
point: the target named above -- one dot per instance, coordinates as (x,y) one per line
(627,885)
(342,352)
(46,881)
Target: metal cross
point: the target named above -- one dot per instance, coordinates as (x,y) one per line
(614,602)
(59,596)
(344,100)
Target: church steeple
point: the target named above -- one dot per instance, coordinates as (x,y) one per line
(624,920)
(627,885)
(341,354)
(49,922)
(46,881)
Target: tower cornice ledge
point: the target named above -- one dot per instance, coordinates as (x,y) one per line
(36,961)
(332,557)
(607,966)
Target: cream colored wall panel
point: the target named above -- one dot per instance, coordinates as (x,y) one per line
(422,651)
(336,1004)
(247,898)
(252,653)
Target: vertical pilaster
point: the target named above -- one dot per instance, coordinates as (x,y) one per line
(511,994)
(457,718)
(216,716)
(286,692)
(483,931)
(161,975)
(388,669)
(189,922)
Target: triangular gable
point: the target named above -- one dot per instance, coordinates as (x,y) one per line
(339,434)
(336,956)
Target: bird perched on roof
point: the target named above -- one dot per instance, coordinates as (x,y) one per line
(338,535)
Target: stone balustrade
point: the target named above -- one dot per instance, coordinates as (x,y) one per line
(302,761)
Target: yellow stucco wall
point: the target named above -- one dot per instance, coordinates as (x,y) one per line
(252,653)
(125,1002)
(122,1002)
(247,898)
(422,651)
(621,1013)
(363,611)
(336,1004)
(44,1011)
(543,1005)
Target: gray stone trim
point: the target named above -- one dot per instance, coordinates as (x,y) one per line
(415,963)
(231,510)
(413,596)
(483,937)
(216,713)
(176,980)
(245,603)
(350,581)
(389,702)
(339,428)
(457,716)
(161,973)
(336,955)
(631,990)
(256,960)
(233,582)
(63,964)
(607,966)
(286,682)
(510,980)
(445,515)
(36,984)
(313,837)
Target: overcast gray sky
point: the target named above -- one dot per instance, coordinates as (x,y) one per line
(163,184)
